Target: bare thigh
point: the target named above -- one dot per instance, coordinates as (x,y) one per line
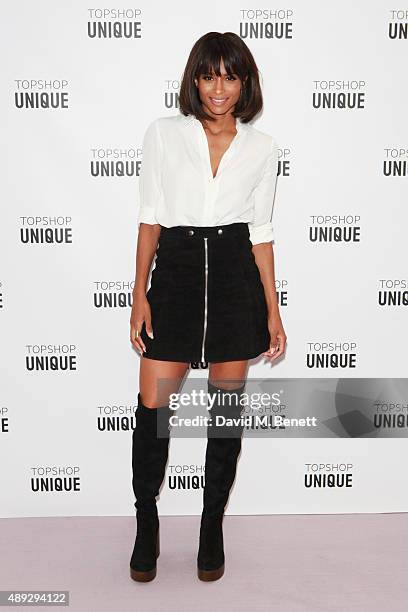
(158,379)
(229,374)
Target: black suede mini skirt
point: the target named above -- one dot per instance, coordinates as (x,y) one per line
(206,297)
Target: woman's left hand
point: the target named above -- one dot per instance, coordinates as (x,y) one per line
(278,337)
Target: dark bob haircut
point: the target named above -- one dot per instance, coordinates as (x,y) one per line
(205,57)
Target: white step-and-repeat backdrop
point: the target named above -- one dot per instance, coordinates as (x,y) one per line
(79,86)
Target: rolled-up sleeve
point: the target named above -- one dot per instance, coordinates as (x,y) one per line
(261,229)
(150,184)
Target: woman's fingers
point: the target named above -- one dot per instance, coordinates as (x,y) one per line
(135,336)
(277,346)
(281,346)
(148,324)
(273,346)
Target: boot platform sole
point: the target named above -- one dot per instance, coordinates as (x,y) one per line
(210,575)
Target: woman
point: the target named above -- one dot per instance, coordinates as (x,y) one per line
(206,196)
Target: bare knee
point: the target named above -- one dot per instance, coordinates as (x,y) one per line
(158,380)
(153,398)
(228,375)
(150,401)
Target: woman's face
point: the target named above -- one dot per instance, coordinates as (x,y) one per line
(218,94)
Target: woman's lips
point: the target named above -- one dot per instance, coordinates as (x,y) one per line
(218,101)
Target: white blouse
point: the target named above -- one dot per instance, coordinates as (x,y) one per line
(176,185)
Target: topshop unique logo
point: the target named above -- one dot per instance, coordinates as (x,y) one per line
(116,417)
(115,163)
(333,95)
(114,23)
(398,26)
(266,23)
(55,479)
(370,407)
(393,292)
(185,477)
(328,475)
(390,415)
(335,228)
(113,294)
(46,230)
(51,357)
(331,355)
(395,163)
(39,94)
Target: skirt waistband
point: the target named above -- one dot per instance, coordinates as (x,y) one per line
(189,231)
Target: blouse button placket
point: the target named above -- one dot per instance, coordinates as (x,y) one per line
(212,184)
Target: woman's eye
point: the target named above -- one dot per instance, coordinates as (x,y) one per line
(209,76)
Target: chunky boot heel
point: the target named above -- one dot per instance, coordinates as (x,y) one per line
(209,575)
(149,458)
(144,575)
(211,560)
(223,448)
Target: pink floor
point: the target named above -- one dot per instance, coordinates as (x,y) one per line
(284,563)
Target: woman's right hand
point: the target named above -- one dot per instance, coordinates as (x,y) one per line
(140,312)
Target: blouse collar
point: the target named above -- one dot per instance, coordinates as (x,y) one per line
(192,120)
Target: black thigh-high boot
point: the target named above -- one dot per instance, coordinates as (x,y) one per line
(223,448)
(149,459)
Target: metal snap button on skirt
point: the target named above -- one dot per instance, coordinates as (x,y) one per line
(206,297)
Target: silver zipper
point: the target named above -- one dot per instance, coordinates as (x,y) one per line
(205,298)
